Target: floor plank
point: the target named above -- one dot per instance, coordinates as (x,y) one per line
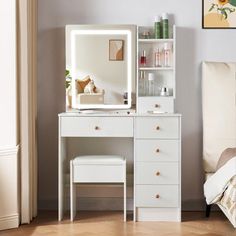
(111,223)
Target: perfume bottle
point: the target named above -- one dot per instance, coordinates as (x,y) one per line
(143,59)
(167,54)
(142,84)
(157,58)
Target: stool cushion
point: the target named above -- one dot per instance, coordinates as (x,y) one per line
(99,160)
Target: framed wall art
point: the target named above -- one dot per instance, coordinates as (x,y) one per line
(116,50)
(218,14)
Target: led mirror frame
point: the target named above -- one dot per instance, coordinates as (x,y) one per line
(73,35)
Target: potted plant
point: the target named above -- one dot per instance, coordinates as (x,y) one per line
(68,89)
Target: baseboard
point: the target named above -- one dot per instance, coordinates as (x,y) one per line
(115,203)
(89,204)
(9,217)
(197,205)
(9,222)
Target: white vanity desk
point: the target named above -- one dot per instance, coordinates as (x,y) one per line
(156,157)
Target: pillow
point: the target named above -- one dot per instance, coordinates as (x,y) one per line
(226,155)
(80,84)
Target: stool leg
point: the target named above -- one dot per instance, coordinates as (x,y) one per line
(72,194)
(125,196)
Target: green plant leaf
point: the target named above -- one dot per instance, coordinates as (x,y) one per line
(229,9)
(68,84)
(224,13)
(232,2)
(212,7)
(67,72)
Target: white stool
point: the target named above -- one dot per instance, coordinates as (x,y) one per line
(96,169)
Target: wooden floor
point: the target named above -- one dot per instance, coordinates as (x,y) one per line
(110,223)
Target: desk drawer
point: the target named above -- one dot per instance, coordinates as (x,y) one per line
(155,150)
(157,173)
(157,127)
(97,126)
(161,104)
(157,196)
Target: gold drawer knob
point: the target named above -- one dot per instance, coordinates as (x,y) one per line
(157,105)
(157,196)
(158,173)
(158,128)
(157,150)
(96,128)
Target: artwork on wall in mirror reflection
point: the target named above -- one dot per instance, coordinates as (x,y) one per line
(116,50)
(219,14)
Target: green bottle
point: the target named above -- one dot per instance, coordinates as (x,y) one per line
(157,27)
(165,26)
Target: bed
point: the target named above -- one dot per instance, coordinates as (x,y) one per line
(219,134)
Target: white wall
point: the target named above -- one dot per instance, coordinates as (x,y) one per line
(8,74)
(194,45)
(9,214)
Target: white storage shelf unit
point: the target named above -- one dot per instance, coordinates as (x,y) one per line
(164,76)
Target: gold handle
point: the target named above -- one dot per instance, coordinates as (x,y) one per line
(157,105)
(158,150)
(158,128)
(158,173)
(157,196)
(96,128)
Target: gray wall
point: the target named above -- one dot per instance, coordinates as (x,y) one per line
(194,45)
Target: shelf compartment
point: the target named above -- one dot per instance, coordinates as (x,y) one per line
(156,68)
(155,40)
(156,96)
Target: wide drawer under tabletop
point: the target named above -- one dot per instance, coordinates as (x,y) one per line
(96,126)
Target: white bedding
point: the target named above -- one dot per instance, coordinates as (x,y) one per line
(220,188)
(217,183)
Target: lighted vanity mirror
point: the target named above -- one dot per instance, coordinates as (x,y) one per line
(100,66)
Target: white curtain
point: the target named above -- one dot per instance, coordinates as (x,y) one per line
(27,61)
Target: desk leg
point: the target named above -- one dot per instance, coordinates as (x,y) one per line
(61,181)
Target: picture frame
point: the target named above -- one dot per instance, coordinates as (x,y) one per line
(116,50)
(219,14)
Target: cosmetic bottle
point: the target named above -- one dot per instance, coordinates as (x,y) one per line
(142,84)
(150,87)
(164,92)
(157,27)
(143,59)
(125,98)
(157,58)
(167,55)
(165,26)
(145,35)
